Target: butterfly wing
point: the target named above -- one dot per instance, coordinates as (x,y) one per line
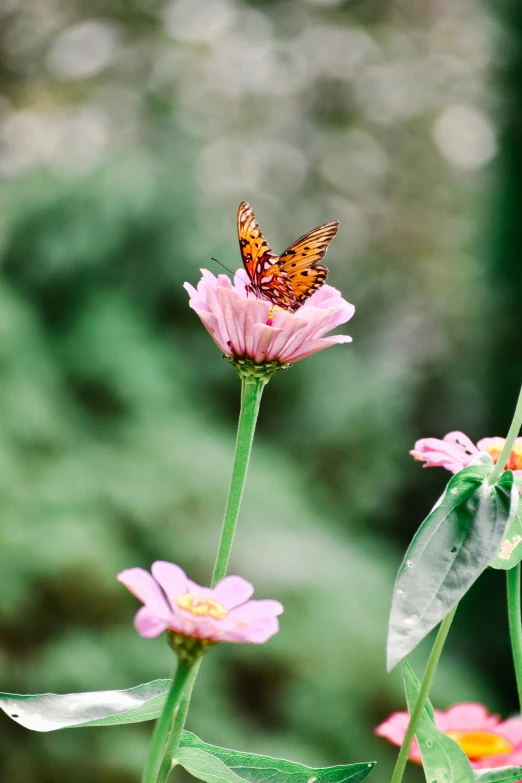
(301,259)
(268,278)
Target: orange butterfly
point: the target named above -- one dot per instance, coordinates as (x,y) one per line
(289,279)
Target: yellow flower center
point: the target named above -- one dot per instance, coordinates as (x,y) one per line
(514,461)
(201,607)
(479,745)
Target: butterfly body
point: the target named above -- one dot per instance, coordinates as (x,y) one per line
(289,279)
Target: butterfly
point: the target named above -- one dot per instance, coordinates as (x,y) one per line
(289,279)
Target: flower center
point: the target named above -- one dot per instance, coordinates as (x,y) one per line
(480,744)
(201,607)
(515,458)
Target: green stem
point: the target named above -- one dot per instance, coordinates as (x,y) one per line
(433,660)
(177,725)
(508,445)
(180,716)
(515,624)
(251,391)
(161,732)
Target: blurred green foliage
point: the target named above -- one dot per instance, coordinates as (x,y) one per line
(129,132)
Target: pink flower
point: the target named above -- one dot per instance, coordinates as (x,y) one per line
(456,451)
(486,740)
(245,327)
(223,613)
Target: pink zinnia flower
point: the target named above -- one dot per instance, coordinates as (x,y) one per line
(456,451)
(246,327)
(485,739)
(221,614)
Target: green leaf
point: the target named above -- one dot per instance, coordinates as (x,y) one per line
(509,553)
(499,775)
(452,547)
(443,759)
(51,711)
(219,765)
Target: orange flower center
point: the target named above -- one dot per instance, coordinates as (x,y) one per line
(515,458)
(201,607)
(479,745)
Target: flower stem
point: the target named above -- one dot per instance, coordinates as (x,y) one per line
(508,445)
(180,716)
(515,624)
(433,660)
(161,732)
(251,391)
(177,725)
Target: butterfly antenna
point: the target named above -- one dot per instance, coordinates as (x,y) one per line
(223,265)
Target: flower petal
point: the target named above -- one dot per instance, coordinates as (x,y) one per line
(263,343)
(148,624)
(313,346)
(144,587)
(511,729)
(254,621)
(394,729)
(461,439)
(467,715)
(171,577)
(213,327)
(454,452)
(232,591)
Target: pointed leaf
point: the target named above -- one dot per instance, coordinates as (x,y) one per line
(412,688)
(219,765)
(509,553)
(498,775)
(443,760)
(51,711)
(452,547)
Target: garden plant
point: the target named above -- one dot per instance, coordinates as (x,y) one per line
(278,310)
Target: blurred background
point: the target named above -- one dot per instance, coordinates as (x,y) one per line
(130,130)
